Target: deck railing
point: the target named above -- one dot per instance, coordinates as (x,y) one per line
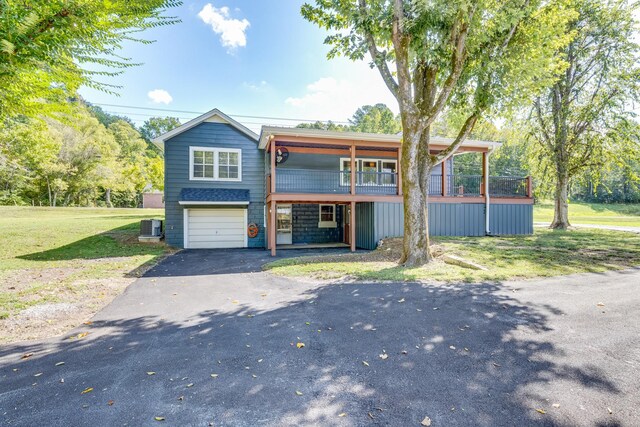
(386,183)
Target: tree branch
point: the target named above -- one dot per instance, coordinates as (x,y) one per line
(462,135)
(379,58)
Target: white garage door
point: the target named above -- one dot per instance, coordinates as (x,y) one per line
(215,228)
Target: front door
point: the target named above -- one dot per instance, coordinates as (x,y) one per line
(347,227)
(284,225)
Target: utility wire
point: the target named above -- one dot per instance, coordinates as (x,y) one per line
(200,112)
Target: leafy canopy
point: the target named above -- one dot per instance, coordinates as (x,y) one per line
(48,48)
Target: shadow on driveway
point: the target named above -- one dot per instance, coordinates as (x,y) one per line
(463,355)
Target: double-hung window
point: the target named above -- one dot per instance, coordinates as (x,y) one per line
(215,164)
(370,172)
(327,216)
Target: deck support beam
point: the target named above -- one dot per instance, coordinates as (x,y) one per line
(352,227)
(272,148)
(485,166)
(444,178)
(272,228)
(353,169)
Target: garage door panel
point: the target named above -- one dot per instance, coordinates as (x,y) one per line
(216,228)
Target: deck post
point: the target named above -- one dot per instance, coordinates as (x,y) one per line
(272,228)
(529,187)
(353,168)
(273,166)
(485,166)
(399,172)
(444,178)
(352,227)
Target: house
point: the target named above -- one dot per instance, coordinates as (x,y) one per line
(153,200)
(227,187)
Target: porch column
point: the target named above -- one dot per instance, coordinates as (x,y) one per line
(352,227)
(272,228)
(484,173)
(273,167)
(267,234)
(399,172)
(353,168)
(444,178)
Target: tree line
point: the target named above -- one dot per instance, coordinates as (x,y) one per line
(90,158)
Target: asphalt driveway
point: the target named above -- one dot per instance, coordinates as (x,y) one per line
(207,339)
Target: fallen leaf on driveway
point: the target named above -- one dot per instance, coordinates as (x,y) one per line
(214,375)
(383,356)
(87,390)
(426,422)
(600,304)
(401,300)
(88,322)
(610,411)
(38,374)
(365,363)
(151,373)
(181,398)
(235,301)
(344,414)
(298,393)
(452,347)
(26,355)
(300,345)
(190,385)
(110,403)
(158,418)
(59,363)
(542,411)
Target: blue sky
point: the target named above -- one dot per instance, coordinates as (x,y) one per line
(255,58)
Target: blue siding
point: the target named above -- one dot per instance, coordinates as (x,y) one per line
(511,219)
(378,220)
(365,229)
(176,155)
(305,225)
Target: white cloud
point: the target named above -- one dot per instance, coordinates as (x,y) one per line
(338,97)
(262,86)
(160,96)
(231,31)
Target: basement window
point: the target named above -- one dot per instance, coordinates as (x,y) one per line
(327,216)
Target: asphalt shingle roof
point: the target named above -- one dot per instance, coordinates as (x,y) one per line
(213,195)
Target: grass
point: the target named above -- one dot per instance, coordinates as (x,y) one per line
(77,256)
(545,253)
(593,213)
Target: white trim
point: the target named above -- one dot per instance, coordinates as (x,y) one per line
(327,224)
(159,141)
(212,203)
(359,161)
(216,152)
(269,131)
(185,228)
(246,228)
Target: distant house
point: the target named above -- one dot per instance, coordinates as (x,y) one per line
(227,187)
(153,200)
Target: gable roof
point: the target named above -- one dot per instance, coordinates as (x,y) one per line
(214,115)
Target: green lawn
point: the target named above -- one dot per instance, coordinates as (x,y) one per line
(593,213)
(546,253)
(79,256)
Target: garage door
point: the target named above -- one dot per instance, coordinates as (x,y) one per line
(215,228)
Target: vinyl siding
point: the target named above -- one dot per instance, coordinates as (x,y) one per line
(380,220)
(177,175)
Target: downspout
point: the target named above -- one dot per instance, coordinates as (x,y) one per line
(487,201)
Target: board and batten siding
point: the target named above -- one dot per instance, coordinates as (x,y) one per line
(176,176)
(376,221)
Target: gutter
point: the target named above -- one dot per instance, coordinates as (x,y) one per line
(487,199)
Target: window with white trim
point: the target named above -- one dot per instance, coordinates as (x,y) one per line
(215,164)
(327,216)
(370,171)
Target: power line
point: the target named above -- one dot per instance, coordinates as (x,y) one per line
(200,112)
(123,113)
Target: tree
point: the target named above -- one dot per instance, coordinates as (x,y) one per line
(477,56)
(324,126)
(156,126)
(375,119)
(49,48)
(578,119)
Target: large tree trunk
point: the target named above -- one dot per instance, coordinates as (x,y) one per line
(415,247)
(561,203)
(107,198)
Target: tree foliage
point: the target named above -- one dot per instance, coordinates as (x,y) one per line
(49,48)
(375,119)
(475,56)
(582,121)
